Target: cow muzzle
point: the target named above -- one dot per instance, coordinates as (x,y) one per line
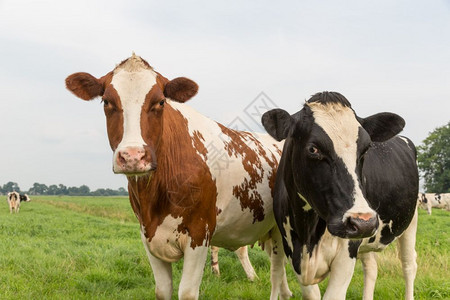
(133,161)
(355,226)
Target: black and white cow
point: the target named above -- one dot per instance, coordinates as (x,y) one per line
(345,186)
(436,200)
(13,199)
(24,198)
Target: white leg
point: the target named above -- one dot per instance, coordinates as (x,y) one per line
(193,266)
(408,255)
(341,272)
(370,268)
(162,271)
(215,260)
(429,207)
(310,292)
(242,254)
(278,267)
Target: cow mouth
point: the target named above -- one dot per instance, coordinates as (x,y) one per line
(135,171)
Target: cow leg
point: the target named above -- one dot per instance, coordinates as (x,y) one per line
(429,207)
(278,267)
(310,292)
(162,272)
(370,268)
(341,272)
(408,255)
(242,254)
(193,266)
(215,260)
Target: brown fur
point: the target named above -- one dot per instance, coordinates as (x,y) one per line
(182,186)
(181,89)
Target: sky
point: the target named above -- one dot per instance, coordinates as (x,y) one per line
(245,55)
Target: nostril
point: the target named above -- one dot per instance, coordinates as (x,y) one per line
(352,224)
(121,159)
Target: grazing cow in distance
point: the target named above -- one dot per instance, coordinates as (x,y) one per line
(24,198)
(442,200)
(13,201)
(183,198)
(345,186)
(436,200)
(424,202)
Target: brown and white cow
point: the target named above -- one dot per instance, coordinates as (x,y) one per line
(183,200)
(13,201)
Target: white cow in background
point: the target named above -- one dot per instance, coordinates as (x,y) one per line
(436,200)
(13,199)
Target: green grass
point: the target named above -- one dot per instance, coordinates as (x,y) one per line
(90,248)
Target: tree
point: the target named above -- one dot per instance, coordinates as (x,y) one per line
(38,189)
(10,186)
(434,160)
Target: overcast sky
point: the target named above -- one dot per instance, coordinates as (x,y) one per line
(382,55)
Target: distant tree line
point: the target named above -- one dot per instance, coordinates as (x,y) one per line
(61,189)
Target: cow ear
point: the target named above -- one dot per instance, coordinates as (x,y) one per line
(382,126)
(180,89)
(84,85)
(277,123)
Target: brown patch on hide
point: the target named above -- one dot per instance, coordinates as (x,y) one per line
(182,185)
(198,144)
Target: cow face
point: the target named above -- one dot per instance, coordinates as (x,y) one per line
(134,98)
(326,143)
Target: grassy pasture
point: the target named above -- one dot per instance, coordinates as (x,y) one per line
(90,248)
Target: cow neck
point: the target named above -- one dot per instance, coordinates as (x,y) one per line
(311,227)
(171,151)
(181,186)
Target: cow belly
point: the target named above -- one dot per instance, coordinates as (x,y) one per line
(167,244)
(236,226)
(243,232)
(243,217)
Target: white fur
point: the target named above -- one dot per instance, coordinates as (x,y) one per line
(341,126)
(287,228)
(234,226)
(132,88)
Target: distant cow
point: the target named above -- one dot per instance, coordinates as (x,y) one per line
(436,200)
(442,200)
(192,182)
(13,199)
(25,198)
(345,186)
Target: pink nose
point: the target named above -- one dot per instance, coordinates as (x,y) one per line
(132,160)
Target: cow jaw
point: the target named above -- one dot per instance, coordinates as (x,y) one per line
(132,155)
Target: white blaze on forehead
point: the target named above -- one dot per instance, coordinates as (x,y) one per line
(340,124)
(132,82)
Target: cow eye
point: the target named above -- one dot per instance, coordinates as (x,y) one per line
(314,152)
(105,102)
(162,102)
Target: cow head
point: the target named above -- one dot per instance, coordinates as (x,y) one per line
(326,143)
(134,98)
